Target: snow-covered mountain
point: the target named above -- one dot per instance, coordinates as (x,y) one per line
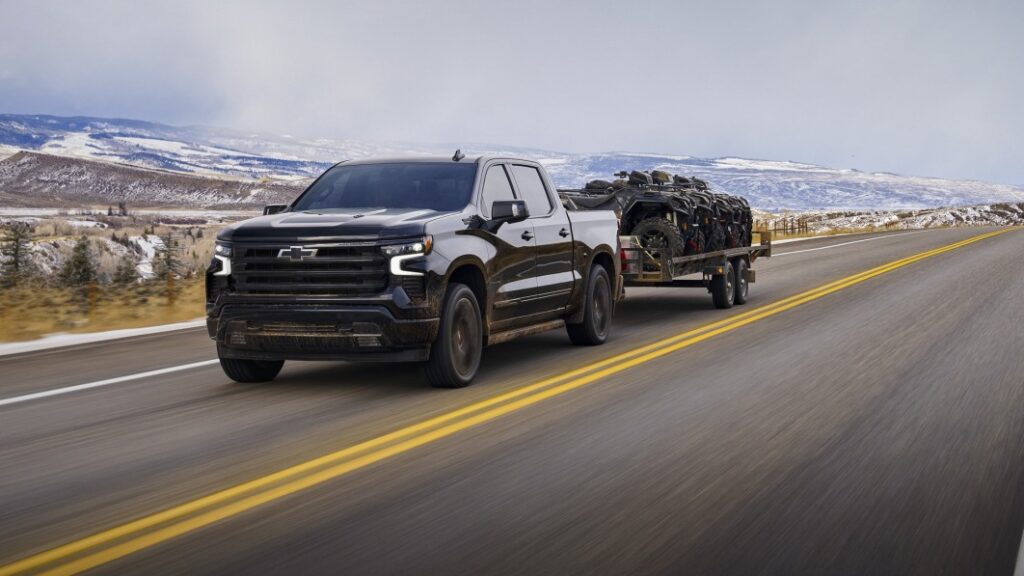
(31,179)
(233,154)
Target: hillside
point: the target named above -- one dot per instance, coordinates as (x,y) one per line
(42,180)
(214,152)
(817,222)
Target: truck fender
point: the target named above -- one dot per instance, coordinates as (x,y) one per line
(470,270)
(577,316)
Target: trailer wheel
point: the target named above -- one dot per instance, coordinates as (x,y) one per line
(739,267)
(455,355)
(723,290)
(598,307)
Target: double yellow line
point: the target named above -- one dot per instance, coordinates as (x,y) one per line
(109,545)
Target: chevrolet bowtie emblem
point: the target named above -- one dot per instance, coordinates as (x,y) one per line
(296,253)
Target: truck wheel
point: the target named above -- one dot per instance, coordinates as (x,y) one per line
(659,236)
(723,288)
(598,308)
(455,355)
(241,370)
(739,267)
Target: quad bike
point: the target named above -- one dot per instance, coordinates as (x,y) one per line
(669,215)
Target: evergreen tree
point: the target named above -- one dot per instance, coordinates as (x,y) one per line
(15,253)
(167,262)
(126,272)
(80,269)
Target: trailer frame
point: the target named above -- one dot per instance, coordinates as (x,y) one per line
(641,269)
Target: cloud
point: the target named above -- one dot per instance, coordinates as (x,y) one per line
(919,86)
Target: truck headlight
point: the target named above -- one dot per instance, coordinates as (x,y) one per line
(419,246)
(222,254)
(406,251)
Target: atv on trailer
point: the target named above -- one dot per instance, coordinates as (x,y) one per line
(671,216)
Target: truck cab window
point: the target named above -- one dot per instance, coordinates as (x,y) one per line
(445,187)
(531,186)
(496,187)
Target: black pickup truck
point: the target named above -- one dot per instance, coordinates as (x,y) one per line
(411,259)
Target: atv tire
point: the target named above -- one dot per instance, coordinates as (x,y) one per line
(659,236)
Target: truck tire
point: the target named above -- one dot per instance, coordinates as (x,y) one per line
(739,267)
(455,355)
(241,370)
(597,312)
(658,235)
(723,289)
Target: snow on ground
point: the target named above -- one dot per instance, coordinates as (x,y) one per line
(174,147)
(768,184)
(86,224)
(7,151)
(819,222)
(745,164)
(148,245)
(78,144)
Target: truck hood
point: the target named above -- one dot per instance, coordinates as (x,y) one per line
(370,224)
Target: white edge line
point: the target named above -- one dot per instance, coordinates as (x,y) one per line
(99,383)
(841,244)
(52,341)
(818,237)
(1019,570)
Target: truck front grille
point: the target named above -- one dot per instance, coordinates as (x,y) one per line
(334,269)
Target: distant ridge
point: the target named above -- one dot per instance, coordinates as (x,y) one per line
(221,153)
(30,179)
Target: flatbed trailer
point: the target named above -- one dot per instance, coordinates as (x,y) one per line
(726,274)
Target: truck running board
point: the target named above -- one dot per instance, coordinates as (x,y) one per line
(507,335)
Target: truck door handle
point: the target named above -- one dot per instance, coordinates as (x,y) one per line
(563,232)
(527,235)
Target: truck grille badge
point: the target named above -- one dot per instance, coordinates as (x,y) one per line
(296,253)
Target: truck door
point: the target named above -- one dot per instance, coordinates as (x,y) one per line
(554,267)
(512,269)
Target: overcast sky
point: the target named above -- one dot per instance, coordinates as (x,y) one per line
(916,87)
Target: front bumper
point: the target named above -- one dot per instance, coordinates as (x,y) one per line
(328,332)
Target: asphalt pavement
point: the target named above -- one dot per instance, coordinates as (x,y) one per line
(874,426)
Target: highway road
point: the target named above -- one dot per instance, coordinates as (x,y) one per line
(862,414)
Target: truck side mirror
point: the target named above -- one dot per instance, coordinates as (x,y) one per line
(503,211)
(274,209)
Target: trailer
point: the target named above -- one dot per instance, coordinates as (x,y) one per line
(726,274)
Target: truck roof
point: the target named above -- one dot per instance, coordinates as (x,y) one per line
(438,158)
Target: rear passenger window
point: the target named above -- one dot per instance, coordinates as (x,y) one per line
(531,187)
(496,187)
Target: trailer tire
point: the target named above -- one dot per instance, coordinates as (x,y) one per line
(598,306)
(455,355)
(739,266)
(658,234)
(723,290)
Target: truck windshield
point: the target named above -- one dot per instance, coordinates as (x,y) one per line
(441,186)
